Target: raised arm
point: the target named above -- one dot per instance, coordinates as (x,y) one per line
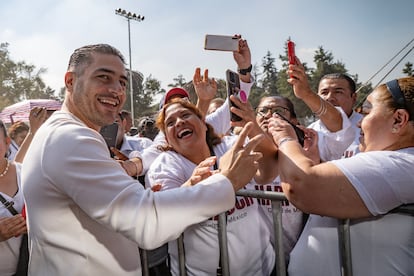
(314,188)
(205,89)
(244,61)
(37,117)
(328,114)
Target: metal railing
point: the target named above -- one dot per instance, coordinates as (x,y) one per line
(344,239)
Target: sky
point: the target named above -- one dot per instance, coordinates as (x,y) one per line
(364,35)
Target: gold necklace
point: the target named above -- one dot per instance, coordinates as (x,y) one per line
(6,169)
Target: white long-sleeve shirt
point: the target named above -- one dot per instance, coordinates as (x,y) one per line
(86,216)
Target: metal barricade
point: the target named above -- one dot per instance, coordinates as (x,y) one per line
(276,198)
(344,240)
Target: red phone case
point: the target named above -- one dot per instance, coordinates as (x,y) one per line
(24,212)
(291,51)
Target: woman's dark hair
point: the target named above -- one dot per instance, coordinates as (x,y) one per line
(212,138)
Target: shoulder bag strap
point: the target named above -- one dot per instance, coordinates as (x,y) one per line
(8,205)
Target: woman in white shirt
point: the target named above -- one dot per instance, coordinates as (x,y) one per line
(364,188)
(11,226)
(187,159)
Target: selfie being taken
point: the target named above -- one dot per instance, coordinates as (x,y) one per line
(206,139)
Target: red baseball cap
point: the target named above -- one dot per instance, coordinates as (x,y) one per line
(175,92)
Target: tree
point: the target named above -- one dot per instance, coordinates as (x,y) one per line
(137,79)
(324,65)
(269,79)
(408,69)
(286,90)
(257,92)
(19,81)
(179,81)
(152,87)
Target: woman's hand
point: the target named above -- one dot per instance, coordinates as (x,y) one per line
(205,87)
(37,117)
(12,227)
(201,172)
(280,129)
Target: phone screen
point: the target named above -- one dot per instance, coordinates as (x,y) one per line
(110,133)
(221,43)
(233,88)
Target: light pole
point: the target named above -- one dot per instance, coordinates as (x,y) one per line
(139,18)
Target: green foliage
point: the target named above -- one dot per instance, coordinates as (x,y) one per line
(325,64)
(179,81)
(269,76)
(408,69)
(19,81)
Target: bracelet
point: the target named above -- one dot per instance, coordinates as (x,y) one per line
(322,109)
(245,71)
(284,140)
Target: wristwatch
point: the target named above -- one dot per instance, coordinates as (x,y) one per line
(245,71)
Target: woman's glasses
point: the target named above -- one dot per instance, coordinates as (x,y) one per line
(264,110)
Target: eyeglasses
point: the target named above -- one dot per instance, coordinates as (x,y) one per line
(264,110)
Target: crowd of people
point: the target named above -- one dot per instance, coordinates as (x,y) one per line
(91,208)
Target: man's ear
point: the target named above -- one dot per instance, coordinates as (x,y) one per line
(69,78)
(354,98)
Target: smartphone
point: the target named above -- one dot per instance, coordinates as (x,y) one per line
(110,133)
(299,133)
(221,43)
(233,88)
(291,51)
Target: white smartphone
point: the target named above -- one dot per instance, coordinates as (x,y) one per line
(221,43)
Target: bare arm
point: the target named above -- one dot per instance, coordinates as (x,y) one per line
(205,88)
(243,59)
(37,117)
(267,169)
(328,114)
(318,189)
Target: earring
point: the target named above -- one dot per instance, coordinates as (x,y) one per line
(394,130)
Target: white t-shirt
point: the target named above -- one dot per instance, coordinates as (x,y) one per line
(13,149)
(353,149)
(10,249)
(333,144)
(219,120)
(380,245)
(292,217)
(134,143)
(250,249)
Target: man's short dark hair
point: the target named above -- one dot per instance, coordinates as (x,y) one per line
(83,56)
(343,76)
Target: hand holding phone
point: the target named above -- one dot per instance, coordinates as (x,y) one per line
(299,133)
(233,88)
(221,42)
(110,133)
